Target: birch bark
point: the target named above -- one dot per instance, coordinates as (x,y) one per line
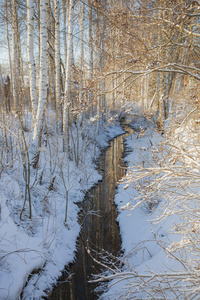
(37,135)
(81,50)
(31,59)
(68,77)
(64,31)
(15,71)
(104,109)
(97,64)
(8,39)
(57,56)
(91,53)
(91,49)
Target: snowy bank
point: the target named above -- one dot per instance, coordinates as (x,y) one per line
(149,244)
(34,252)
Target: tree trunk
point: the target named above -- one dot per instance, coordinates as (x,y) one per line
(82,9)
(67,96)
(64,30)
(15,71)
(37,135)
(8,39)
(31,59)
(91,53)
(57,57)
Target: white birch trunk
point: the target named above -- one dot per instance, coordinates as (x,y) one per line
(146,91)
(43,76)
(64,31)
(15,73)
(104,108)
(97,65)
(38,21)
(31,59)
(81,50)
(51,54)
(8,40)
(57,56)
(67,95)
(91,52)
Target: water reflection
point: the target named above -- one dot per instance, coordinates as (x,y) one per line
(99,228)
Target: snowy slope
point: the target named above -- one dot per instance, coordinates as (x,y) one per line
(45,243)
(142,237)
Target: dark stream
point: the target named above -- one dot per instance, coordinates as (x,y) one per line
(99,227)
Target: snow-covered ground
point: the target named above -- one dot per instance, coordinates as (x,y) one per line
(45,244)
(144,241)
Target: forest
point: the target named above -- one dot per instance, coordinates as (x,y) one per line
(73,74)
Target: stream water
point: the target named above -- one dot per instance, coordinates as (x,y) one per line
(99,227)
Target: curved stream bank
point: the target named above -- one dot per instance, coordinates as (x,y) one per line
(99,227)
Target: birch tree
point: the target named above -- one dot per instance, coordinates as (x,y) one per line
(57,56)
(15,71)
(37,135)
(8,37)
(91,49)
(67,96)
(31,59)
(64,10)
(51,69)
(82,11)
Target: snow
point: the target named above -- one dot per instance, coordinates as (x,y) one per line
(141,236)
(20,254)
(45,244)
